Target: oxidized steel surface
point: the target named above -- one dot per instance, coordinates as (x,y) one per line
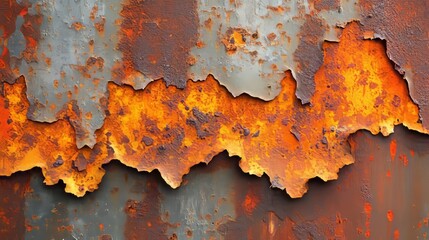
(382,196)
(171,130)
(69,50)
(78,90)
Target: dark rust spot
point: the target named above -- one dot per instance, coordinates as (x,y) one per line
(80,163)
(203,123)
(58,162)
(327,5)
(148,141)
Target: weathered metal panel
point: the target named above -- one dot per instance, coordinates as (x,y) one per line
(171,130)
(166,85)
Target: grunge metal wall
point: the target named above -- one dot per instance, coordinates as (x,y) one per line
(236,105)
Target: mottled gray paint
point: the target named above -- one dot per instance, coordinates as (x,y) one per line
(68,50)
(248,70)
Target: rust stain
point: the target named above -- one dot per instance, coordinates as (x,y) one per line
(156,39)
(9,11)
(393,147)
(367,211)
(171,130)
(12,203)
(389,216)
(144,219)
(309,57)
(321,5)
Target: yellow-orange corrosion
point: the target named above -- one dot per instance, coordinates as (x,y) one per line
(171,130)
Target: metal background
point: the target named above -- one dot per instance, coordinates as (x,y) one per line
(276,97)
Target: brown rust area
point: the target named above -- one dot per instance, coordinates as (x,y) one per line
(9,11)
(12,205)
(309,57)
(144,219)
(166,128)
(404,26)
(327,5)
(157,37)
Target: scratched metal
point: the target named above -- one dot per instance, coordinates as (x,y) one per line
(382,196)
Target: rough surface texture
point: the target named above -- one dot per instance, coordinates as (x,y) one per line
(157,38)
(75,48)
(171,130)
(66,55)
(404,25)
(380,196)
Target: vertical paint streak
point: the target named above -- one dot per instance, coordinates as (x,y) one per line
(393,147)
(12,202)
(367,210)
(389,216)
(144,217)
(4,118)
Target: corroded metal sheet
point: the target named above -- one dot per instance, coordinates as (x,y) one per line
(71,58)
(382,196)
(66,54)
(69,50)
(404,25)
(171,130)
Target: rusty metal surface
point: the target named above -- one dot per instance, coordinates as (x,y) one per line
(166,85)
(171,130)
(381,196)
(76,48)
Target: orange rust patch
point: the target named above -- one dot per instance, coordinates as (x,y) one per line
(367,211)
(389,216)
(171,130)
(393,147)
(250,202)
(4,118)
(234,40)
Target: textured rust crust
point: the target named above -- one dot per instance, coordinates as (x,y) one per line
(171,130)
(247,46)
(405,27)
(309,57)
(321,5)
(157,37)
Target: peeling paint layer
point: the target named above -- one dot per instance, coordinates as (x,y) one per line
(66,55)
(249,45)
(157,38)
(404,25)
(76,47)
(171,130)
